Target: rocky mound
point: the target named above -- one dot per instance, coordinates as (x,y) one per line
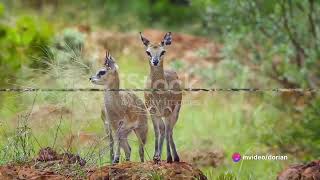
(309,171)
(51,165)
(148,170)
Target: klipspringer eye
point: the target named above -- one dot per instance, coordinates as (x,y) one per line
(101,73)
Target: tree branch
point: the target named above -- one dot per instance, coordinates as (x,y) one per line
(300,53)
(311,20)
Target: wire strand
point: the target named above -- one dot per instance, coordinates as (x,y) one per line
(21,90)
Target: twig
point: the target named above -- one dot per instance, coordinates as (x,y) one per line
(57,130)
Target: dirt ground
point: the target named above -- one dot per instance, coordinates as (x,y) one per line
(185,47)
(205,157)
(51,165)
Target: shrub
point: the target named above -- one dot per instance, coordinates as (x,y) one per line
(67,46)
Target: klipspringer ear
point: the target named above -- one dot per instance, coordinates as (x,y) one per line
(167,39)
(109,61)
(144,40)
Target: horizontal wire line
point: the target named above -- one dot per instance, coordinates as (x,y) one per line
(161,90)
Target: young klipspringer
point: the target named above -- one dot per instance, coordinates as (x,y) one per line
(124,112)
(164,106)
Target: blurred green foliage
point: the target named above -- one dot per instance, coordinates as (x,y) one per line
(22,42)
(305,132)
(145,13)
(311,122)
(287,30)
(281,36)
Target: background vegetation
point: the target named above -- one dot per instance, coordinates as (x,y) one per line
(264,44)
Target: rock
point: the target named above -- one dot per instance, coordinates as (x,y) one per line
(48,154)
(291,173)
(309,171)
